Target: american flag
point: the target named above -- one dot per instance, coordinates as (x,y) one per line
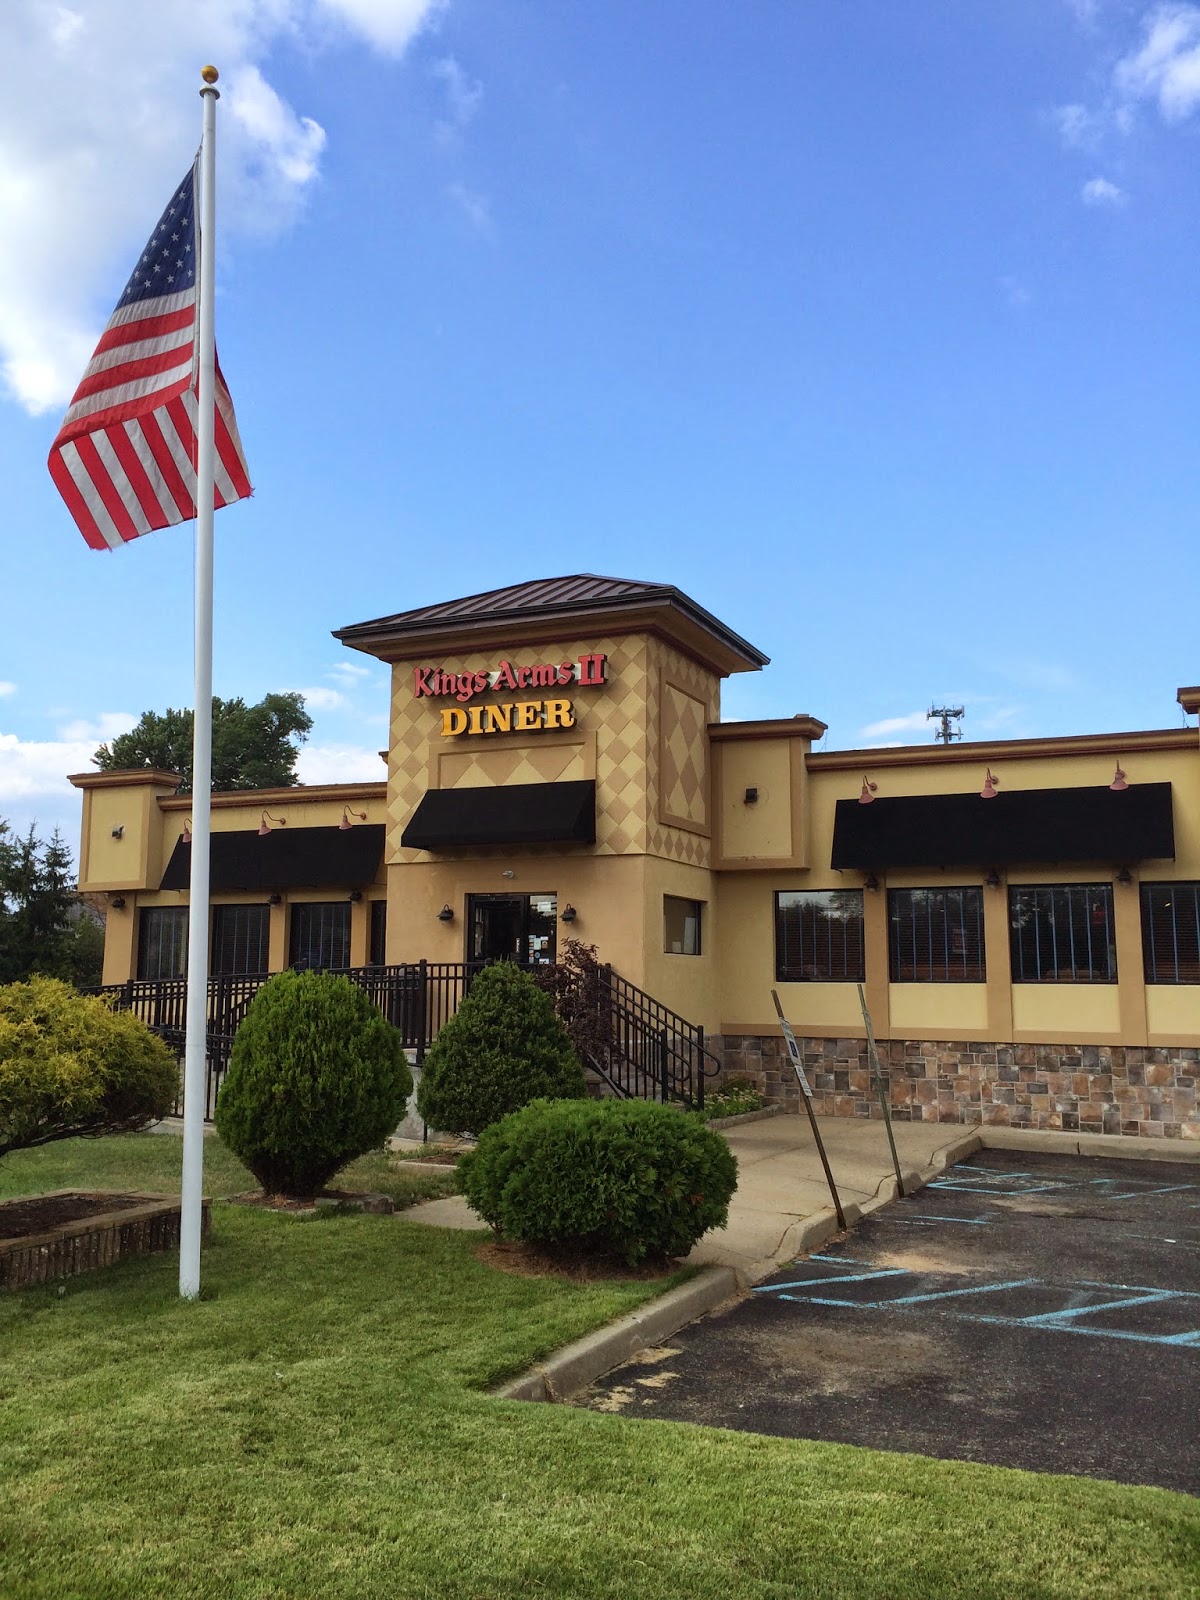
(125,457)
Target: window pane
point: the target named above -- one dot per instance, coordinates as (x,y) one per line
(239,939)
(162,942)
(1171,932)
(320,935)
(378,954)
(681,926)
(819,936)
(1062,933)
(936,936)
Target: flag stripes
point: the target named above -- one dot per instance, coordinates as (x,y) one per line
(124,459)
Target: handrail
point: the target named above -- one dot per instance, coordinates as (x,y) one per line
(649,1052)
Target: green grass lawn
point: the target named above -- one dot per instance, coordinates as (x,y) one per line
(315,1427)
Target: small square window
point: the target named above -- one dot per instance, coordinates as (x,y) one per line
(681,926)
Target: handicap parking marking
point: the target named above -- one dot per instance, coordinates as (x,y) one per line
(930,1218)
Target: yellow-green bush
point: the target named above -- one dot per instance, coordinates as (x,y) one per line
(69,1065)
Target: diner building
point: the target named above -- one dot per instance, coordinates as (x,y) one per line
(1023,916)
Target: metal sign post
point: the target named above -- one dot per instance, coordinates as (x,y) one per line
(879,1084)
(806,1097)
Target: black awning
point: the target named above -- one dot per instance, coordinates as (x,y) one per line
(1027,827)
(285,858)
(513,813)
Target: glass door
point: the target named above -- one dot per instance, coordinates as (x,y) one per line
(512,927)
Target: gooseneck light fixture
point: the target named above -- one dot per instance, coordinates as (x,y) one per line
(1119,780)
(345,824)
(186,836)
(990,784)
(268,824)
(867,793)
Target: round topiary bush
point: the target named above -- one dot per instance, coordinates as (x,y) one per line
(502,1048)
(317,1077)
(628,1177)
(69,1065)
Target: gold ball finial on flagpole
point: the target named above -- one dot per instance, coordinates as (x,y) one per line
(209,74)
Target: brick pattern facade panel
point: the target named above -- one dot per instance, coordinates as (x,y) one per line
(1147,1093)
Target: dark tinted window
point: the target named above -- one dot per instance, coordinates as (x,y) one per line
(936,936)
(1062,933)
(819,936)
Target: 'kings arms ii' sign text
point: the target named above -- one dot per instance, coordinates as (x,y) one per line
(521,716)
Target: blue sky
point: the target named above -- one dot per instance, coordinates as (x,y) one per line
(873,326)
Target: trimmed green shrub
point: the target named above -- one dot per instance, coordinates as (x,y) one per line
(502,1048)
(70,1065)
(629,1177)
(317,1077)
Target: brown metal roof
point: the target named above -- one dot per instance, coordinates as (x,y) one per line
(544,601)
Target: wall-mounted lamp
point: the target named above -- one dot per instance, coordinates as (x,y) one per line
(119,831)
(356,895)
(990,784)
(508,873)
(750,797)
(1119,781)
(264,827)
(445,914)
(867,792)
(186,836)
(275,899)
(117,902)
(569,913)
(993,879)
(345,824)
(870,881)
(1125,876)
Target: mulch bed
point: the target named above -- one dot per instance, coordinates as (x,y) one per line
(293,1203)
(567,1262)
(23,1219)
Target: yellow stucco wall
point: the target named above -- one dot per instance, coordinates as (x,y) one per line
(1172,1011)
(945,1008)
(764,829)
(1066,1010)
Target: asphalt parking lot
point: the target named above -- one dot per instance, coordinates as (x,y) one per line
(1028,1311)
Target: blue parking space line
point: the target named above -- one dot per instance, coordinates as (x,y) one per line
(1133,1288)
(954,1294)
(967,1222)
(1145,1194)
(1178,1340)
(842,1277)
(978,1188)
(842,1261)
(1070,1312)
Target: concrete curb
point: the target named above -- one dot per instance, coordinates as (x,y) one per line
(573,1368)
(1114,1146)
(745,1116)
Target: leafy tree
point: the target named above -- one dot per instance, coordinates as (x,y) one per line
(71,1066)
(317,1078)
(502,1048)
(43,926)
(254,747)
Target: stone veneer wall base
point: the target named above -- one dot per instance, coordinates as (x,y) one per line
(1076,1088)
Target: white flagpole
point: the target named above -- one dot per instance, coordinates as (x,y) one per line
(195,1070)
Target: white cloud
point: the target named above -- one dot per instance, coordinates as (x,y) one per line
(1166,69)
(98,731)
(463,97)
(321,699)
(340,763)
(98,120)
(36,769)
(473,206)
(6,689)
(349,674)
(1077,126)
(911,722)
(1100,192)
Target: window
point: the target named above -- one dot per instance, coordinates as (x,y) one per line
(819,936)
(378,953)
(681,926)
(1171,932)
(320,935)
(162,942)
(935,936)
(1062,933)
(239,939)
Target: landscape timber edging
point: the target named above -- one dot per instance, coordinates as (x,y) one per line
(96,1241)
(718,1123)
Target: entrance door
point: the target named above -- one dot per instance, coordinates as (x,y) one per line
(512,927)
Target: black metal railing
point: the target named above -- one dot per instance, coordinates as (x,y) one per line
(646,1050)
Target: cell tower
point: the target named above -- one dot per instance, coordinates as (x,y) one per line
(947,716)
